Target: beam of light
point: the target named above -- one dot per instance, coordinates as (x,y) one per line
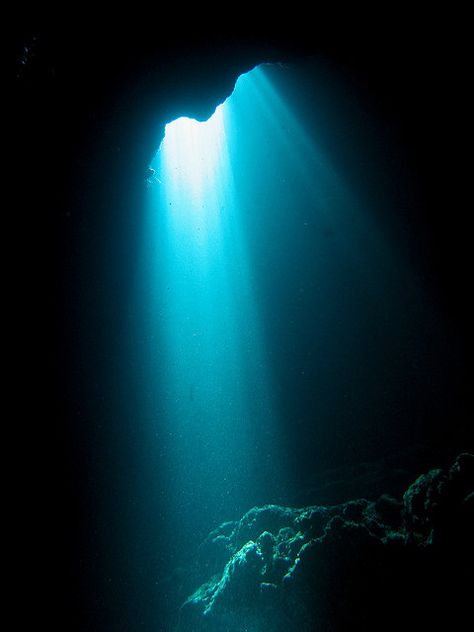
(251,236)
(192,151)
(223,184)
(263,292)
(196,182)
(216,408)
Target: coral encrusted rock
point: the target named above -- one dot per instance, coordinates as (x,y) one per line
(384,565)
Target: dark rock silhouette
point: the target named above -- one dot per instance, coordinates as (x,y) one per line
(389,564)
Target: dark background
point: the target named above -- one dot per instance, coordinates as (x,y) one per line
(89,98)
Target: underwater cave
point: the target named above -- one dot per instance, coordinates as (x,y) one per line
(259,418)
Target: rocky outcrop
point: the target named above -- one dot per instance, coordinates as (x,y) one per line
(358,565)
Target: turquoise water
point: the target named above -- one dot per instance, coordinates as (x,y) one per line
(213,371)
(278,313)
(260,259)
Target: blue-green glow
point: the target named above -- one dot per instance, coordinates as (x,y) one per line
(211,368)
(268,303)
(196,183)
(191,152)
(249,219)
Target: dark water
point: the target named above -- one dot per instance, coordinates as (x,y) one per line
(279,318)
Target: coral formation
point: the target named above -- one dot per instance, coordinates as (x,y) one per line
(357,565)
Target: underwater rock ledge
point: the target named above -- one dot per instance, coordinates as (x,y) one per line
(386,565)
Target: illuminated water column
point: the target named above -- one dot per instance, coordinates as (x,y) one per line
(263,261)
(217,412)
